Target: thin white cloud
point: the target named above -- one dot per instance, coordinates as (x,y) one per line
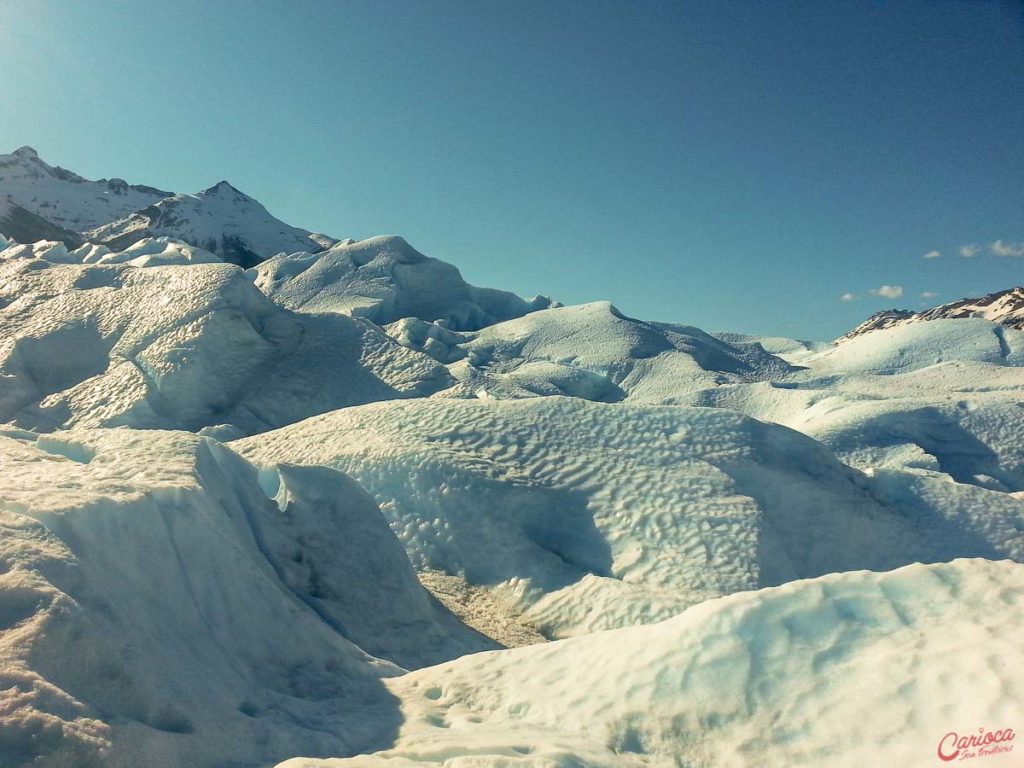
(933,254)
(999,248)
(888,291)
(848,297)
(929,294)
(969,251)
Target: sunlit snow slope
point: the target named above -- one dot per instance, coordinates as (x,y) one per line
(591,351)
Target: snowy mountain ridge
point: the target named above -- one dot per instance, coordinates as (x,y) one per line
(1003,307)
(73,209)
(221,219)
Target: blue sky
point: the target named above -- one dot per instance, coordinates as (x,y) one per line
(731,165)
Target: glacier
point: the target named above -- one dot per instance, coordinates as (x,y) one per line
(272,497)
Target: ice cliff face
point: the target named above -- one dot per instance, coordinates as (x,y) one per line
(163,602)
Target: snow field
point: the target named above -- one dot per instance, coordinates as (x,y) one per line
(720,592)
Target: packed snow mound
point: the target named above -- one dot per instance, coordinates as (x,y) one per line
(52,251)
(843,671)
(182,347)
(591,351)
(584,516)
(148,252)
(971,435)
(777,345)
(959,420)
(164,603)
(1003,307)
(220,219)
(937,397)
(384,279)
(66,199)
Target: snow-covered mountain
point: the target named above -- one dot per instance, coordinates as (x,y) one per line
(43,202)
(66,199)
(1003,307)
(26,227)
(220,219)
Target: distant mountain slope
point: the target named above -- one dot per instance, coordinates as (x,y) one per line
(26,227)
(220,219)
(43,202)
(385,279)
(1003,307)
(66,199)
